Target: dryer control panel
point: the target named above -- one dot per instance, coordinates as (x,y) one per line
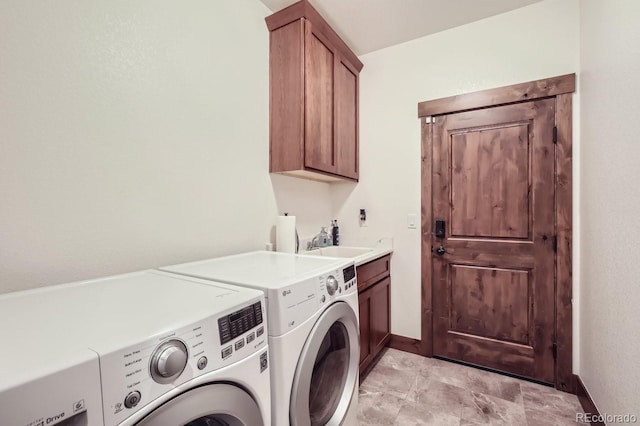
(294,304)
(238,323)
(337,283)
(151,371)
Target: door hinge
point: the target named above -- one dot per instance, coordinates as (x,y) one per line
(555,243)
(554,349)
(555,134)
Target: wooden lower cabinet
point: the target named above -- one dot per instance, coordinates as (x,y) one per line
(364,305)
(374,304)
(380,319)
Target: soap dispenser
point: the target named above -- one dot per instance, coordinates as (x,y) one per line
(323,241)
(335,232)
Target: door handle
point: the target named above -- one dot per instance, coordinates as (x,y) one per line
(440,251)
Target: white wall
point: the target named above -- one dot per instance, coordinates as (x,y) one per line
(610,287)
(309,201)
(534,42)
(133,135)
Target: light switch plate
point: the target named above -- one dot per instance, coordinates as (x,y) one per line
(412,221)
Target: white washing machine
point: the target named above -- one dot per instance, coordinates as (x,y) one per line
(171,350)
(46,376)
(312,307)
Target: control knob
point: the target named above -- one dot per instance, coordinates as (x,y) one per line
(332,285)
(168,361)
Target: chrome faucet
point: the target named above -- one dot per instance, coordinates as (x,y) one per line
(320,240)
(313,244)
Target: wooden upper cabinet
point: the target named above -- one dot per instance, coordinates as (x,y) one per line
(346,129)
(313,129)
(319,142)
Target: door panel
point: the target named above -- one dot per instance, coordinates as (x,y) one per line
(491,303)
(319,89)
(380,324)
(364,307)
(346,120)
(493,287)
(490,182)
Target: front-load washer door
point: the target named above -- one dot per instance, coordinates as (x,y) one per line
(327,370)
(217,404)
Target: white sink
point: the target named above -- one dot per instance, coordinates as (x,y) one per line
(339,251)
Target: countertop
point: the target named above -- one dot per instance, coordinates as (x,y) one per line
(381,248)
(376,253)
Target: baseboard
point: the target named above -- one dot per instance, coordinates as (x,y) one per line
(585,400)
(406,344)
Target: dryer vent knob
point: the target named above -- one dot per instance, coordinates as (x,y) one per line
(168,361)
(332,285)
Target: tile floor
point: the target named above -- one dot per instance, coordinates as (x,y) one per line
(405,389)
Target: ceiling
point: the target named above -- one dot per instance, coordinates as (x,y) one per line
(368,25)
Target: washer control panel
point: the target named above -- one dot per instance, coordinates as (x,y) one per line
(137,375)
(168,361)
(292,305)
(239,322)
(349,273)
(337,283)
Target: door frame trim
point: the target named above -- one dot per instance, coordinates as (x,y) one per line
(561,89)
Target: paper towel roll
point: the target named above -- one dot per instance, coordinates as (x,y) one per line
(286,234)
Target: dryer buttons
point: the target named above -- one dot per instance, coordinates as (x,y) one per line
(226,352)
(202,363)
(264,363)
(132,399)
(239,344)
(251,337)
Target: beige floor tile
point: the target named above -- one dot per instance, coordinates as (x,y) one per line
(405,389)
(412,414)
(402,360)
(494,384)
(391,380)
(445,372)
(436,396)
(544,418)
(377,408)
(485,409)
(550,400)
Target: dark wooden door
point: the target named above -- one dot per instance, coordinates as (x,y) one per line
(493,272)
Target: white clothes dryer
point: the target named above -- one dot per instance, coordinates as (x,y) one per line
(47,377)
(312,307)
(172,350)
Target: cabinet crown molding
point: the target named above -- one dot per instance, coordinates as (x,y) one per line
(304,10)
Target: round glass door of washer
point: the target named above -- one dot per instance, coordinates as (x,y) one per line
(327,370)
(217,404)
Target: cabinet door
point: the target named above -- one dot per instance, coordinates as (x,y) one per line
(346,137)
(380,325)
(319,144)
(364,305)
